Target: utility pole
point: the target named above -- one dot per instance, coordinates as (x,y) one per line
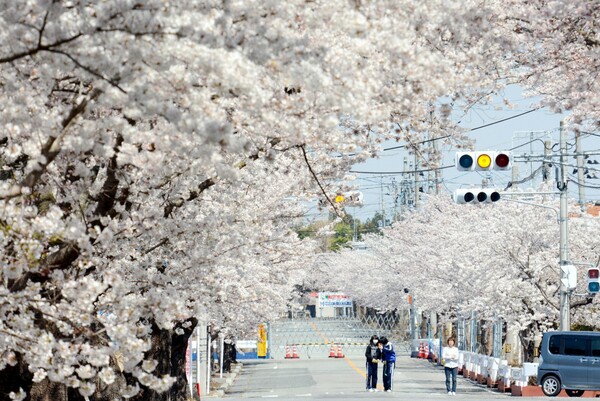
(580,171)
(354,231)
(437,172)
(565,295)
(395,194)
(546,164)
(381,197)
(416,180)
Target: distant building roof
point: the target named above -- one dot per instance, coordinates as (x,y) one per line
(593,210)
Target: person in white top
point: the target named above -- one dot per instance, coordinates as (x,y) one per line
(450,357)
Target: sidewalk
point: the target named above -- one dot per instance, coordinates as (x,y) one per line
(422,376)
(218,386)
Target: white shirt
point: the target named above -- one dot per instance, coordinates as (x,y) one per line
(450,356)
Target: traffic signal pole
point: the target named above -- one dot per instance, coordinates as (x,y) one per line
(565,295)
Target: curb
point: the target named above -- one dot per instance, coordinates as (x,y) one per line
(220,392)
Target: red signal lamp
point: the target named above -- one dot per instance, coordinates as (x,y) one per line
(502,160)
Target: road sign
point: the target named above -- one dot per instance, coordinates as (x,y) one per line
(569,276)
(334,299)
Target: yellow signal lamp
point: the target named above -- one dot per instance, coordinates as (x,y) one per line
(339,199)
(484,161)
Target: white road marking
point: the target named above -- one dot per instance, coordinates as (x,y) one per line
(304,395)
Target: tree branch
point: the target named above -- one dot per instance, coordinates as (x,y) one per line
(312,172)
(41,30)
(533,281)
(50,150)
(88,69)
(162,242)
(38,49)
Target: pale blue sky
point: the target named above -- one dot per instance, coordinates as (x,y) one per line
(502,136)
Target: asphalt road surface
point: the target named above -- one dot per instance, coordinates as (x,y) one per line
(343,379)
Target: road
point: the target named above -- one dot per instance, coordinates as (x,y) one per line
(343,379)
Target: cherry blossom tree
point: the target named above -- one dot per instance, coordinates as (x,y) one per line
(500,260)
(156,155)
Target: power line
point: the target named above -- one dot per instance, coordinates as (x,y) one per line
(401,172)
(418,143)
(471,129)
(504,119)
(527,143)
(583,185)
(448,136)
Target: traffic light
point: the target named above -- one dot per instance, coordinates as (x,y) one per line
(593,280)
(482,161)
(353,198)
(476,195)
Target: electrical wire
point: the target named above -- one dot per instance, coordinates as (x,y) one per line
(527,143)
(585,167)
(425,141)
(584,185)
(505,119)
(470,130)
(400,172)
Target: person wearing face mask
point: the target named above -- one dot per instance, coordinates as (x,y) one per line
(373,355)
(388,354)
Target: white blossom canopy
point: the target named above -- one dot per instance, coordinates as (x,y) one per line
(155,155)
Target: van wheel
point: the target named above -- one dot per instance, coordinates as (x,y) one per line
(574,393)
(551,385)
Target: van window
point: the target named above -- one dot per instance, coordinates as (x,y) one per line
(554,345)
(595,346)
(575,345)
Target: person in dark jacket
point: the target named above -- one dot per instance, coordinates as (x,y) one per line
(388,355)
(373,354)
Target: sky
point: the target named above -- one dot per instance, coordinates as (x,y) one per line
(381,189)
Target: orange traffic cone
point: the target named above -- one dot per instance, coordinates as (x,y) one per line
(288,354)
(421,351)
(294,352)
(332,351)
(426,351)
(340,354)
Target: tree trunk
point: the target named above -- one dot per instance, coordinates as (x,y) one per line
(424,322)
(179,343)
(13,378)
(169,350)
(487,338)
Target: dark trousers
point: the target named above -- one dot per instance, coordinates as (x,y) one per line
(451,376)
(371,375)
(388,374)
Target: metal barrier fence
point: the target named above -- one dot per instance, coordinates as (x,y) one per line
(314,337)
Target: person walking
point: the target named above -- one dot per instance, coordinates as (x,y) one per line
(388,355)
(450,357)
(373,355)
